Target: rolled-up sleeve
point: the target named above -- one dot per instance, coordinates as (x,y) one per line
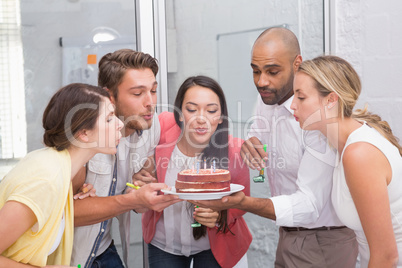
(314,185)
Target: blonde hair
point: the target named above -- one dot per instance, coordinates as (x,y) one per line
(334,74)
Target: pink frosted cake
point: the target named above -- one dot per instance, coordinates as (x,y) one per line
(189,181)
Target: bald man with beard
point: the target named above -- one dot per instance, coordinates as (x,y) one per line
(299,166)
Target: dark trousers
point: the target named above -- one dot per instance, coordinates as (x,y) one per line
(162,259)
(108,259)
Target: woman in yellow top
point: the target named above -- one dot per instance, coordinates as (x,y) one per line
(36,200)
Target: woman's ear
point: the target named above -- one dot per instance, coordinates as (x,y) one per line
(83,135)
(332,100)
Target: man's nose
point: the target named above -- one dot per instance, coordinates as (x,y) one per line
(263,80)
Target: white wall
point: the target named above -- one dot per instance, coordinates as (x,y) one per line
(369,36)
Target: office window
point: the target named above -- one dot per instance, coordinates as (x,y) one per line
(12,97)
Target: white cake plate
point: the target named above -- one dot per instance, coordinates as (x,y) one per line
(205,196)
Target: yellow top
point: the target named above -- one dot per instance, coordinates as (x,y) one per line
(42,181)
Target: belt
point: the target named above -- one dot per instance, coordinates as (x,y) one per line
(324,228)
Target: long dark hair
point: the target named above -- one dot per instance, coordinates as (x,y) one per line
(217,148)
(218,144)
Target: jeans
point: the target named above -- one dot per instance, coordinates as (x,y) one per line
(161,259)
(108,259)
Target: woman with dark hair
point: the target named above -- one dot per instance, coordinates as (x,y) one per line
(197,131)
(36,197)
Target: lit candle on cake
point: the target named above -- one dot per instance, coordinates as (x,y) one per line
(214,165)
(198,167)
(205,163)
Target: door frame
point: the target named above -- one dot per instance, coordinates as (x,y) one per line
(151,39)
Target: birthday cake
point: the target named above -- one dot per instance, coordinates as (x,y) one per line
(203,181)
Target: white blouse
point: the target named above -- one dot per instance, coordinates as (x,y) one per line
(299,169)
(342,199)
(174,233)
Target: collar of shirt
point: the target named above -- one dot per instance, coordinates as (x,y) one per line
(287,104)
(284,108)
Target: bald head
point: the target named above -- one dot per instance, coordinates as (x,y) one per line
(278,36)
(274,60)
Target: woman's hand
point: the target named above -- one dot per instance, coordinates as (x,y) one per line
(85,191)
(230,201)
(206,216)
(143,177)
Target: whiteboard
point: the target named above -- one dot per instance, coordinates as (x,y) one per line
(235,74)
(81,57)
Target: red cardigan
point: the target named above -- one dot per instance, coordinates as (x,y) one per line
(227,248)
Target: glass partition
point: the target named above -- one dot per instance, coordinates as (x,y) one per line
(63,42)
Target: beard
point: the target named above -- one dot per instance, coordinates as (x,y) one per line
(278,96)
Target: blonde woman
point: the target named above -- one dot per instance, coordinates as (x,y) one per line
(367,183)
